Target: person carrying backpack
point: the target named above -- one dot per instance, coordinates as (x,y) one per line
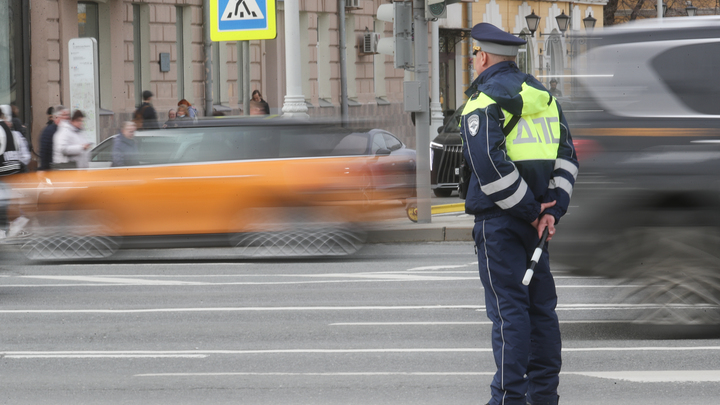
(145,117)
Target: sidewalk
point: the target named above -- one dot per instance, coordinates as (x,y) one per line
(446,227)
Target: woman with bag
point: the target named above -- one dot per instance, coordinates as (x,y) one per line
(70,146)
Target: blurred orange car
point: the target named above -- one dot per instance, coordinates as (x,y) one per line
(275,186)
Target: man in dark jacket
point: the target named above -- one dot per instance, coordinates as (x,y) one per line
(145,116)
(46,137)
(523,169)
(125,150)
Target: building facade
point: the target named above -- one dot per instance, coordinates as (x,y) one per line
(132,34)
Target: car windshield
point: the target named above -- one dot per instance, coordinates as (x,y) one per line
(452,123)
(186,145)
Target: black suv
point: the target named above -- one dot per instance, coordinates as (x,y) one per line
(446,155)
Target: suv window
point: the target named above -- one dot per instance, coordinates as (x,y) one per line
(690,71)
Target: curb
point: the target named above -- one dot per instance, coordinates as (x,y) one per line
(437,234)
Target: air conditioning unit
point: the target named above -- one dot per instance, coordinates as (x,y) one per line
(370,42)
(352,4)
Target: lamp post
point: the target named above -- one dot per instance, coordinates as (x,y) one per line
(690,9)
(589,23)
(533,20)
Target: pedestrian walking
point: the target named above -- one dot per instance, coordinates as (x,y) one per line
(22,153)
(59,114)
(71,148)
(125,150)
(523,168)
(145,117)
(9,165)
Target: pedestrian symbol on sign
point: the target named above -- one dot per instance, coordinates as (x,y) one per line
(238,10)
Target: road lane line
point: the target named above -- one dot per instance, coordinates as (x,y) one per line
(566,307)
(666,376)
(103,356)
(339,374)
(171,353)
(654,376)
(456,323)
(439,267)
(115,280)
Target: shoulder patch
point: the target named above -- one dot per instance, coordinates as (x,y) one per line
(473,122)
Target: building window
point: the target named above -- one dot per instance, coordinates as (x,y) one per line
(88,23)
(305,55)
(221,96)
(94,22)
(351,41)
(12,80)
(141,47)
(324,67)
(180,52)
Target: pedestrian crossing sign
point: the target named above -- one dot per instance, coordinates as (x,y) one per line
(242,20)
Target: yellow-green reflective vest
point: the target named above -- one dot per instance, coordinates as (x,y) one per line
(536,135)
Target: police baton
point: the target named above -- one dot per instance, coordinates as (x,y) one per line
(535,257)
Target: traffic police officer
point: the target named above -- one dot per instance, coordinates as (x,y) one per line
(523,168)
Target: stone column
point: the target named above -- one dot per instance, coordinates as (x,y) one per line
(294,105)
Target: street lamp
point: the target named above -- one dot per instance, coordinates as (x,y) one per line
(664,7)
(690,9)
(562,22)
(589,22)
(532,22)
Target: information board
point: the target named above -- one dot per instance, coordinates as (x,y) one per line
(84,85)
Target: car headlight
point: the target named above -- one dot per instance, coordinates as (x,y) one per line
(436,145)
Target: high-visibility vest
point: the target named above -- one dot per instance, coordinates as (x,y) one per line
(534,137)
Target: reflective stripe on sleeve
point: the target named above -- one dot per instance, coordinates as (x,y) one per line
(559,182)
(502,184)
(567,166)
(514,199)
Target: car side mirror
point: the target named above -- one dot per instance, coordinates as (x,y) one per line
(440,130)
(382,152)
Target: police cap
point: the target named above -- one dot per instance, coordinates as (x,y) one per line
(496,41)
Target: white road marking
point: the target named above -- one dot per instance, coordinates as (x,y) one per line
(114,280)
(646,376)
(176,353)
(102,356)
(232,309)
(451,323)
(566,307)
(667,376)
(347,374)
(330,278)
(439,267)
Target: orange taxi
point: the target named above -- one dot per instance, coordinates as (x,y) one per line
(276,187)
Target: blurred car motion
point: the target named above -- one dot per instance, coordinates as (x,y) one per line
(646,207)
(268,187)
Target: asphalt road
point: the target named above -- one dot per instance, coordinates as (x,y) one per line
(395,324)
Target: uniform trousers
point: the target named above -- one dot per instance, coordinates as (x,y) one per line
(525,334)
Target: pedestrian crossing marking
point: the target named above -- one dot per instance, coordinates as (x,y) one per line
(239,10)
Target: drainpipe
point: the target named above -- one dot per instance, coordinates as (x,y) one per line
(343,63)
(208,60)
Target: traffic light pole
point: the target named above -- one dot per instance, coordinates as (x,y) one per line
(422,118)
